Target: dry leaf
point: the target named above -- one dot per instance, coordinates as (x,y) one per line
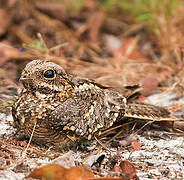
(49,172)
(78,173)
(56,172)
(142,98)
(129,170)
(5,21)
(149,85)
(130,49)
(7,51)
(107,178)
(136,145)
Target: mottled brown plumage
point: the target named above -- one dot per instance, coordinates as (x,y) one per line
(63,107)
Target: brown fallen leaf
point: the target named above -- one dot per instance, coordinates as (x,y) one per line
(129,170)
(5,21)
(56,172)
(130,49)
(142,98)
(78,173)
(136,145)
(106,178)
(7,51)
(51,171)
(149,85)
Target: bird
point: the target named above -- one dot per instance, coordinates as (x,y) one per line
(57,108)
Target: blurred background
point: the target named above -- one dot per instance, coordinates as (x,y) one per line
(117,43)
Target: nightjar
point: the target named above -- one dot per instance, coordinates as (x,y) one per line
(59,108)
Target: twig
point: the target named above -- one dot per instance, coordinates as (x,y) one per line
(103,145)
(116,127)
(25,151)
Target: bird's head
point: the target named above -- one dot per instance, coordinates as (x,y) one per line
(45,77)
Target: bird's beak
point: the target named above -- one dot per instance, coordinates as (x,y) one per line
(22,78)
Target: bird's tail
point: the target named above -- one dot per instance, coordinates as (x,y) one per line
(145,111)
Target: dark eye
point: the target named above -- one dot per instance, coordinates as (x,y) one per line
(49,73)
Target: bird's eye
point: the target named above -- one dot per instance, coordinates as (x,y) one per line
(49,74)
